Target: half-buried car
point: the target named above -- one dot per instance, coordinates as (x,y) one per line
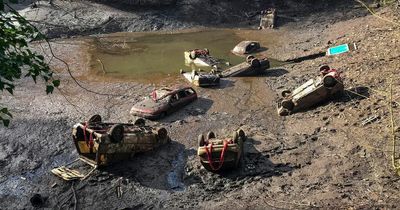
(218,154)
(100,144)
(164,101)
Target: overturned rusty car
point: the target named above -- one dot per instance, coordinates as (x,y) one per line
(164,101)
(312,92)
(252,66)
(217,154)
(246,47)
(201,78)
(100,144)
(200,57)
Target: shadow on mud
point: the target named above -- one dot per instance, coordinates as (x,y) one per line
(256,163)
(198,107)
(355,94)
(161,168)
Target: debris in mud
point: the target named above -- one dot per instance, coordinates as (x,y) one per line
(164,101)
(252,66)
(370,119)
(217,154)
(341,49)
(268,18)
(100,144)
(201,79)
(200,57)
(312,92)
(246,47)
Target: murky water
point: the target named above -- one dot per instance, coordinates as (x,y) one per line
(154,57)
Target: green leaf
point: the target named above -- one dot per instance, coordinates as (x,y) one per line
(56,83)
(49,89)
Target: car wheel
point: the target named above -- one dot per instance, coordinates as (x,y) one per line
(95,119)
(116,133)
(329,81)
(286,93)
(283,112)
(249,58)
(162,133)
(324,68)
(200,140)
(210,135)
(241,134)
(288,104)
(140,122)
(255,63)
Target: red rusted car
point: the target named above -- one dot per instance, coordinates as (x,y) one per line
(164,101)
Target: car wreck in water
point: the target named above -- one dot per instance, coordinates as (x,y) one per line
(200,57)
(201,78)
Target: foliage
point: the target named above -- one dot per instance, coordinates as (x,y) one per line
(16,59)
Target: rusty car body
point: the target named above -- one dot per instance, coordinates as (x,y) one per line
(164,101)
(268,18)
(201,78)
(200,57)
(100,144)
(218,154)
(312,92)
(246,47)
(252,66)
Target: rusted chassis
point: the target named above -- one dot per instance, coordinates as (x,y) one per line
(233,154)
(108,149)
(311,93)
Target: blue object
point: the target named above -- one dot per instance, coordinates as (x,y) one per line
(338,49)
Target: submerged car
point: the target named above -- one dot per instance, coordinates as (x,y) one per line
(201,79)
(164,101)
(200,57)
(100,144)
(217,154)
(252,66)
(312,92)
(246,47)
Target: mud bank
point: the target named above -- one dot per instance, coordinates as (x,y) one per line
(319,158)
(79,18)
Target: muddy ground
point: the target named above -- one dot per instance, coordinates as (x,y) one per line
(320,158)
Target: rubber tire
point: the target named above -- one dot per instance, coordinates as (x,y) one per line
(329,81)
(79,133)
(200,140)
(241,134)
(140,122)
(116,133)
(162,133)
(255,63)
(249,58)
(283,112)
(288,104)
(285,93)
(210,135)
(95,119)
(324,68)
